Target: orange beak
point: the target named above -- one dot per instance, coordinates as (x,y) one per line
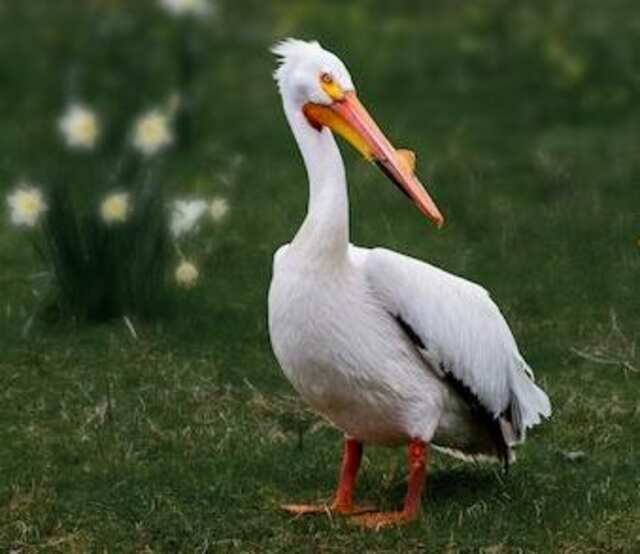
(348,117)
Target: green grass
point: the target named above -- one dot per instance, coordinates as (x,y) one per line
(525,122)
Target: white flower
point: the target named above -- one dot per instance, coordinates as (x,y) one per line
(185,215)
(79,127)
(27,205)
(186,274)
(115,208)
(218,208)
(186,7)
(152,133)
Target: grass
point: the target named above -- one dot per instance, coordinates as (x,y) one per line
(188,438)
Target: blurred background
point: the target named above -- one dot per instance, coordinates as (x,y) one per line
(525,119)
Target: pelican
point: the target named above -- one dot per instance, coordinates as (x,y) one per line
(389,349)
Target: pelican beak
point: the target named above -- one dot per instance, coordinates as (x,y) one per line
(348,117)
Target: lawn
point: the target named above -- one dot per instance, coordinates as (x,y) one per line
(187,437)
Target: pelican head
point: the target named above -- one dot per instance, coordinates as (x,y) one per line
(316,82)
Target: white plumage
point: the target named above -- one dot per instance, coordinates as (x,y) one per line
(464,335)
(338,336)
(388,348)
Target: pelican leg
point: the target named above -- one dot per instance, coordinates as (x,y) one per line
(418,454)
(343,502)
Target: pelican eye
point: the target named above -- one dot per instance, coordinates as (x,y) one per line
(331,86)
(326,78)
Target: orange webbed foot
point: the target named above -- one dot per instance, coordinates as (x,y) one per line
(299,510)
(352,509)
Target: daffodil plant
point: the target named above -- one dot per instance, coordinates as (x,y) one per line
(122,251)
(112,243)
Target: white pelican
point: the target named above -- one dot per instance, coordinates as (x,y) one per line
(389,349)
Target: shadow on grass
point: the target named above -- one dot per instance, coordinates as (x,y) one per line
(472,480)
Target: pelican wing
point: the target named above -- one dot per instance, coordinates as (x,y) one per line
(461,334)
